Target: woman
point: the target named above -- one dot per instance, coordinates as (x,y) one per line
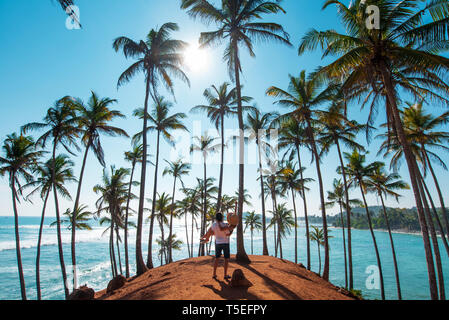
(222,232)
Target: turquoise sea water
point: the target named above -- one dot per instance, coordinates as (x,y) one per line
(94,266)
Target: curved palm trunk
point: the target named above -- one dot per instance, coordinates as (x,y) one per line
(264,222)
(191,244)
(220,182)
(140,264)
(323,204)
(111,244)
(440,195)
(368,215)
(170,259)
(348,216)
(393,251)
(319,257)
(75,209)
(16,230)
(303,190)
(296,227)
(273,197)
(150,237)
(126,220)
(434,238)
(435,215)
(252,251)
(203,222)
(187,233)
(241,255)
(58,226)
(118,251)
(38,253)
(344,245)
(412,167)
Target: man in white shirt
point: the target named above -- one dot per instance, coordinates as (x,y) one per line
(222,232)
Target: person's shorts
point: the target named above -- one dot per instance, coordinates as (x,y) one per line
(222,249)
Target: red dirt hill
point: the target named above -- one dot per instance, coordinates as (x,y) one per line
(191,279)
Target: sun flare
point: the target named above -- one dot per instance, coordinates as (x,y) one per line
(197,59)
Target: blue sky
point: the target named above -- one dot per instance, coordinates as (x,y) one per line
(41,61)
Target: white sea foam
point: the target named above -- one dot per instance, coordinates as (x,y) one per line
(49,239)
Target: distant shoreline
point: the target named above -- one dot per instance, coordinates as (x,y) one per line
(398,231)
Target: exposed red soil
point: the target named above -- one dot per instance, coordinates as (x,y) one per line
(191,279)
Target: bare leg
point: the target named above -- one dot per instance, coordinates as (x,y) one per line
(226,267)
(215,267)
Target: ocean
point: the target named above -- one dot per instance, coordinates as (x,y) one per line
(94,264)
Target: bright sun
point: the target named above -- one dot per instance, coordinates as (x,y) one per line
(196,59)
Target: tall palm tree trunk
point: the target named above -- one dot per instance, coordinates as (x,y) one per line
(203,222)
(323,204)
(170,259)
(16,230)
(319,257)
(344,245)
(111,241)
(412,166)
(264,219)
(303,190)
(75,209)
(150,237)
(191,237)
(58,225)
(435,215)
(140,264)
(118,251)
(379,264)
(126,219)
(348,216)
(434,238)
(440,195)
(220,181)
(187,233)
(296,226)
(38,253)
(393,251)
(241,255)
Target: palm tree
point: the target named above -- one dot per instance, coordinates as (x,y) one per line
(359,173)
(222,103)
(20,156)
(335,129)
(66,4)
(81,220)
(176,169)
(292,137)
(163,208)
(272,188)
(63,128)
(163,124)
(192,205)
(404,46)
(134,156)
(94,120)
(338,197)
(303,95)
(282,218)
(43,184)
(113,195)
(317,235)
(252,220)
(171,242)
(257,124)
(421,129)
(159,57)
(205,145)
(291,181)
(384,184)
(238,22)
